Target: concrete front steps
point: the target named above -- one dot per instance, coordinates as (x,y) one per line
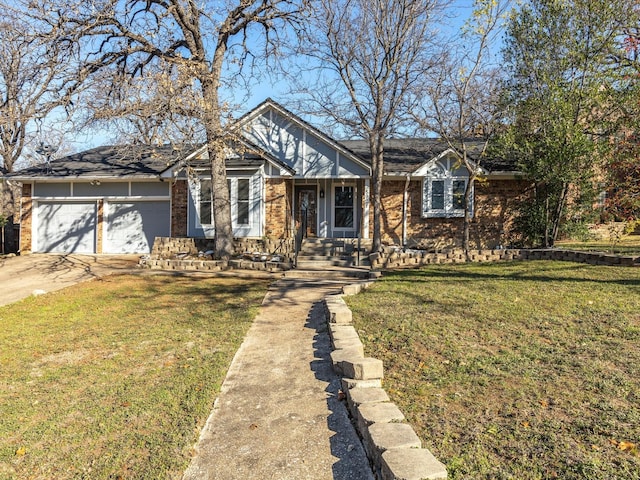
(323,253)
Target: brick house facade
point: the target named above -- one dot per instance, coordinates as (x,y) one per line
(283,175)
(495,202)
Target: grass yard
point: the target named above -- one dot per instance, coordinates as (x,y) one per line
(524,370)
(113,379)
(627,245)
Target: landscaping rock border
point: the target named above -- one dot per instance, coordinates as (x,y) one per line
(393,448)
(391,258)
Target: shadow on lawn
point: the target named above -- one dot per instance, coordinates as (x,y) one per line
(522,271)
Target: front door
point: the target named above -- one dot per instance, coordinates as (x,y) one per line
(306,210)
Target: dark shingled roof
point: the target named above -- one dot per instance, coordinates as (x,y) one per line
(141,161)
(404,155)
(401,157)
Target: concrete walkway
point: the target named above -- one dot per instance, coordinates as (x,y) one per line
(278,415)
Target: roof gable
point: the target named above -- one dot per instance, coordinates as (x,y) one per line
(243,152)
(311,153)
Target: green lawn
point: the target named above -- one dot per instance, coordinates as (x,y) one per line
(524,370)
(627,245)
(114,378)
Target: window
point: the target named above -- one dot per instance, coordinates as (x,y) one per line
(240,193)
(343,207)
(457,194)
(242,201)
(205,202)
(443,190)
(437,194)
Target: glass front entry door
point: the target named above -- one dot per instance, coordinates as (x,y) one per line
(306,210)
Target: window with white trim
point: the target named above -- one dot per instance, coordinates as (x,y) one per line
(443,190)
(343,207)
(240,197)
(205,203)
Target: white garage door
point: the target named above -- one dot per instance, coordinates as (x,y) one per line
(68,227)
(132,226)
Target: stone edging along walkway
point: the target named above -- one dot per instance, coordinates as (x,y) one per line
(393,448)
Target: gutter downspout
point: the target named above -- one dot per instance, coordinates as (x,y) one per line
(405,204)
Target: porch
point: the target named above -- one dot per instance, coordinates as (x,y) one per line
(331,208)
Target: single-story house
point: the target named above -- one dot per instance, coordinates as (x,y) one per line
(283,174)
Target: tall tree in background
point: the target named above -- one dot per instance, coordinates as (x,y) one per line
(623,168)
(562,101)
(195,38)
(459,99)
(36,78)
(366,55)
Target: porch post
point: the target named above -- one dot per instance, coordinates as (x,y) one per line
(366,202)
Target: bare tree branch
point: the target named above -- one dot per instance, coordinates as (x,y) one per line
(188,38)
(365,56)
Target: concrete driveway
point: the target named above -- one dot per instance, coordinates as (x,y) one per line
(23,275)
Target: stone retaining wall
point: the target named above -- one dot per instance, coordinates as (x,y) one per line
(169,247)
(393,448)
(212,265)
(394,259)
(187,254)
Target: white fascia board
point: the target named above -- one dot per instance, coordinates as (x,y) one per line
(169,173)
(422,170)
(505,175)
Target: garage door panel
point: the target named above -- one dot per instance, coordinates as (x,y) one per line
(133,226)
(66,227)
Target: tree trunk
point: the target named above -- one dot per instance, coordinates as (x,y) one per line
(546,221)
(376,144)
(557,216)
(466,224)
(216,142)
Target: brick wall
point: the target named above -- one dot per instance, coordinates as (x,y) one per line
(179,200)
(26,217)
(492,225)
(278,208)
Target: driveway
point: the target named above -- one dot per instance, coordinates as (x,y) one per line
(23,275)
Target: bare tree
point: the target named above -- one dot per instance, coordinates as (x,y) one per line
(197,38)
(160,106)
(460,98)
(366,56)
(36,78)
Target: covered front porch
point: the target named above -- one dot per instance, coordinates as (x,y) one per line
(331,208)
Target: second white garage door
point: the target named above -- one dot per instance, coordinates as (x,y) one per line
(132,226)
